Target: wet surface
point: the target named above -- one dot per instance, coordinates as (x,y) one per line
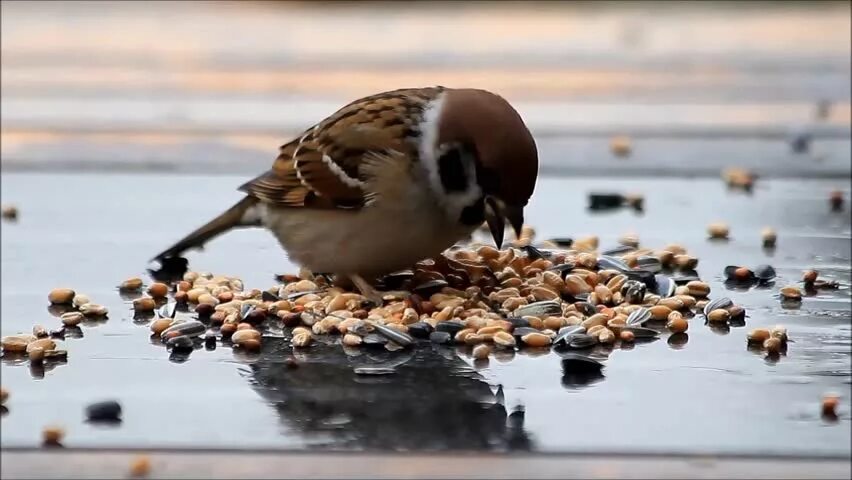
(703,392)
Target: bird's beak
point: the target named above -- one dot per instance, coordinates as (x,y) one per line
(496,214)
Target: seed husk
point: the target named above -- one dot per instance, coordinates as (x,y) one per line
(61,296)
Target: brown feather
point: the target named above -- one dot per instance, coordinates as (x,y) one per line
(301,175)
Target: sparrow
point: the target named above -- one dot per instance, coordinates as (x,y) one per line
(389,180)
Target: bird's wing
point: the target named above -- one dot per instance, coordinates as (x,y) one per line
(328,167)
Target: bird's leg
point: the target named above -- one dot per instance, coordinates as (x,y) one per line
(373,295)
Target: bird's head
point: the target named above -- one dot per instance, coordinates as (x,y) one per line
(486,159)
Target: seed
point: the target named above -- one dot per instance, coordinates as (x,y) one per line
(225,297)
(481,352)
(575,285)
(769,237)
(719,316)
(758,335)
(4,395)
(698,289)
(606,336)
(351,340)
(93,310)
(829,405)
(742,273)
(595,330)
(181,297)
(629,239)
(791,292)
(594,320)
(140,466)
(43,343)
(554,323)
(542,293)
(676,323)
(660,312)
(79,299)
(687,300)
(41,332)
(536,339)
(131,284)
(192,295)
(52,435)
(620,145)
(301,340)
(144,304)
(69,319)
(227,330)
(626,336)
(673,303)
(241,335)
(835,199)
(504,339)
(17,343)
(161,324)
(718,230)
(779,332)
(10,212)
(772,345)
(604,294)
(810,276)
(686,262)
(206,298)
(60,296)
(36,355)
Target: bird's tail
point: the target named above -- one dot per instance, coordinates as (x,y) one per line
(234,217)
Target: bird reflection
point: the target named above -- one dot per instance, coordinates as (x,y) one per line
(431,401)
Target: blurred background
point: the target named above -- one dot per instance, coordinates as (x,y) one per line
(217,86)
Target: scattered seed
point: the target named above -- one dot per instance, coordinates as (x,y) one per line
(810,276)
(676,323)
(108,410)
(4,395)
(93,310)
(132,284)
(481,352)
(758,336)
(627,336)
(144,305)
(791,292)
(772,345)
(17,343)
(769,236)
(829,405)
(52,435)
(69,319)
(140,466)
(719,316)
(718,230)
(536,340)
(620,146)
(41,332)
(158,290)
(61,296)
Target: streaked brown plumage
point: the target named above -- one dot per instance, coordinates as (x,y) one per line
(389,179)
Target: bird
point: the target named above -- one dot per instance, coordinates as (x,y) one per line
(388,180)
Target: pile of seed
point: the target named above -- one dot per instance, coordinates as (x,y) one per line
(561,294)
